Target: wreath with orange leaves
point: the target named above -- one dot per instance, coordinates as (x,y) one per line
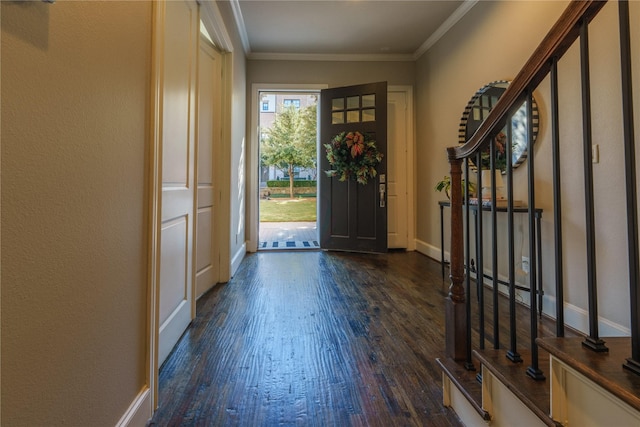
(353,155)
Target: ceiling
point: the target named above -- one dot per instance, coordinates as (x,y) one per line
(346,29)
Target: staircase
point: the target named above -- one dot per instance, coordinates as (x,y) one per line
(547,374)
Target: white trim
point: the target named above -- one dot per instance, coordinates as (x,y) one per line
(139,412)
(444,28)
(335,57)
(429,250)
(272,56)
(213,22)
(155,196)
(223,172)
(578,319)
(575,317)
(252,179)
(237,258)
(411,163)
(242,29)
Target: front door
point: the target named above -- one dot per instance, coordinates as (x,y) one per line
(353,185)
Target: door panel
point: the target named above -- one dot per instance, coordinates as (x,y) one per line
(180,38)
(209,102)
(353,216)
(397,168)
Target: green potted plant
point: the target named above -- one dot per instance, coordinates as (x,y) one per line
(445,184)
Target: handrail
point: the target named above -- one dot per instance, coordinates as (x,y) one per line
(561,36)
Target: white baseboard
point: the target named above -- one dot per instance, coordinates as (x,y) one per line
(139,412)
(574,316)
(429,250)
(578,319)
(237,258)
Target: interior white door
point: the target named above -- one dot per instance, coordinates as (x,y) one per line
(397,134)
(209,125)
(179,38)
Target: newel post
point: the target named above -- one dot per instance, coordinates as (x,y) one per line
(455,313)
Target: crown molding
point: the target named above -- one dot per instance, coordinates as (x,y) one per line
(444,28)
(242,29)
(265,56)
(260,56)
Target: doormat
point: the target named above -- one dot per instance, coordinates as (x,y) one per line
(305,244)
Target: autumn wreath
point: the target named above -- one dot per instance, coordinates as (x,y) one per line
(353,155)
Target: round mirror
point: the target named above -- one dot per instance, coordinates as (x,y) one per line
(476,112)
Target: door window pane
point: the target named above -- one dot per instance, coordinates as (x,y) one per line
(337,118)
(353,102)
(368,101)
(353,116)
(369,115)
(337,104)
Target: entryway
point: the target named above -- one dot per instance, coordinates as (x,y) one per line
(288,164)
(401,157)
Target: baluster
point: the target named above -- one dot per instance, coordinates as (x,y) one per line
(494,246)
(632,363)
(593,341)
(512,353)
(533,370)
(557,199)
(469,362)
(480,256)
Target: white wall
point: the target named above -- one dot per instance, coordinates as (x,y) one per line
(75,96)
(492,42)
(238,140)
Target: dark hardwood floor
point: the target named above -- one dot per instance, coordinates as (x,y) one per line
(313,339)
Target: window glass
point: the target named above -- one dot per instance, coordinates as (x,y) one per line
(353,102)
(337,104)
(369,101)
(337,118)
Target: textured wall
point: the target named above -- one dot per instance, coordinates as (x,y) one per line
(75,95)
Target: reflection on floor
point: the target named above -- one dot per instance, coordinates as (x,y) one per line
(288,235)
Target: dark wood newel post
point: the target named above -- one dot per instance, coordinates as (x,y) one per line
(455,313)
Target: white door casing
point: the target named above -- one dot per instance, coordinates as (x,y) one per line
(208,149)
(397,170)
(179,41)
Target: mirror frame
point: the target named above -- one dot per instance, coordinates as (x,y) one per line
(477,105)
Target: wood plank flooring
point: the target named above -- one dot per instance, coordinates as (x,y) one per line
(313,338)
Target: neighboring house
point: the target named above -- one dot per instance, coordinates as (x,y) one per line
(270,105)
(75,181)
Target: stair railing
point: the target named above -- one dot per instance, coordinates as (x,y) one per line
(571,26)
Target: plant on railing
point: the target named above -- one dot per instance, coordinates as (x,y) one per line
(353,155)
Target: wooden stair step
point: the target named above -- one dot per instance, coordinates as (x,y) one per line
(604,369)
(466,382)
(534,394)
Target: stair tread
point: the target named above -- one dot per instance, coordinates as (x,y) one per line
(604,369)
(534,394)
(466,382)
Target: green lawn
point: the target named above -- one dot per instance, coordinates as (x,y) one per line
(288,210)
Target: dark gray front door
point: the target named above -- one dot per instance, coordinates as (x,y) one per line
(353,216)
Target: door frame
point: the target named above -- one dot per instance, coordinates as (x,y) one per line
(253,215)
(411,163)
(211,18)
(253,190)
